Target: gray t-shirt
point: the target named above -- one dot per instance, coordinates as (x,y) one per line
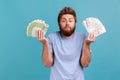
(67,52)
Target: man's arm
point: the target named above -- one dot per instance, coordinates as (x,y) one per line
(86,57)
(47,57)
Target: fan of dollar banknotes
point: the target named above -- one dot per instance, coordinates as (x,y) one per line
(94,25)
(36,25)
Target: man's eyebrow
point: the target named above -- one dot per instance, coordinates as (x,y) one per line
(65,18)
(71,18)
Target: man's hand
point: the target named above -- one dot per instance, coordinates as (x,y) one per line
(41,37)
(91,38)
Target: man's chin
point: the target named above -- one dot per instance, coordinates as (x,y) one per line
(67,34)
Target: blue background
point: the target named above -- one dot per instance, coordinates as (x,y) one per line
(20,56)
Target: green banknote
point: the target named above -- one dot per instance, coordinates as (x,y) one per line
(36,25)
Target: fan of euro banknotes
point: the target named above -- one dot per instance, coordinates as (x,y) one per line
(36,25)
(94,25)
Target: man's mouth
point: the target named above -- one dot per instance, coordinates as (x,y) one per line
(67,28)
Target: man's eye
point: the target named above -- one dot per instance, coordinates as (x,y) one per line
(70,21)
(63,21)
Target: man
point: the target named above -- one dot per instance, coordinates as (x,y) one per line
(66,52)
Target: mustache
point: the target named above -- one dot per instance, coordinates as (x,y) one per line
(67,27)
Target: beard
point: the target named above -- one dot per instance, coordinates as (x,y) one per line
(67,33)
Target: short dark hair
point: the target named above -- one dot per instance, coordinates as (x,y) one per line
(66,10)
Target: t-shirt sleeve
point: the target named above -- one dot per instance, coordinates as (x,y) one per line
(49,38)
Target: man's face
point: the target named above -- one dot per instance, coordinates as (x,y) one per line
(67,24)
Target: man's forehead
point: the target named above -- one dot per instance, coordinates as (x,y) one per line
(66,16)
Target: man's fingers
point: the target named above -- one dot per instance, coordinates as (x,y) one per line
(40,35)
(37,35)
(91,37)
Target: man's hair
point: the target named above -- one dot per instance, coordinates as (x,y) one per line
(66,10)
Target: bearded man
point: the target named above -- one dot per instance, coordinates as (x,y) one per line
(66,51)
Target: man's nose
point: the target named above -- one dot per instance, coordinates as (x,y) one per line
(67,23)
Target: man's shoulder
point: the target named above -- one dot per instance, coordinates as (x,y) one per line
(53,34)
(79,34)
